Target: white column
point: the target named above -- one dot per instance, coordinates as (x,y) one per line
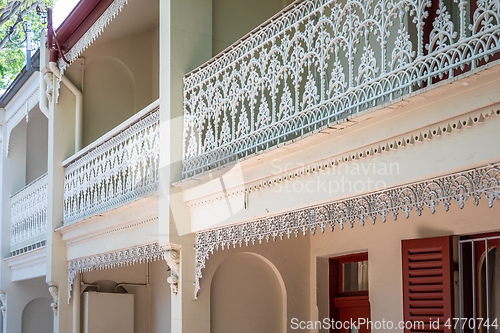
(76,304)
(185,42)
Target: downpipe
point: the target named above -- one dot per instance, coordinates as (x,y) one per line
(79,103)
(42,98)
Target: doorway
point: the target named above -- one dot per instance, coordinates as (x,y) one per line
(349,299)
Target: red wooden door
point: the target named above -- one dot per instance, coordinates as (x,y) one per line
(349,299)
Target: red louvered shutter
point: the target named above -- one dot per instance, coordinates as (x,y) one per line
(428,282)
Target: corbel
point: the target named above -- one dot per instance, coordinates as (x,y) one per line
(172,256)
(54,292)
(3,300)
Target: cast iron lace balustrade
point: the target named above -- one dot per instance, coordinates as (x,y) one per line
(28,229)
(118,168)
(319,61)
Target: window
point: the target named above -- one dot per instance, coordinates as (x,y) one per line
(428,282)
(479,289)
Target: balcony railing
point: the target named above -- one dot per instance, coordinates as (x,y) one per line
(319,61)
(118,168)
(28,229)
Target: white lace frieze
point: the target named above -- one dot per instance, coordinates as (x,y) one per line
(120,170)
(29,216)
(131,256)
(473,184)
(321,61)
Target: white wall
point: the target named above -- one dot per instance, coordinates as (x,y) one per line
(120,78)
(232,19)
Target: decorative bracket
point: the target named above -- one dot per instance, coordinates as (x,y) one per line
(3,300)
(48,78)
(130,256)
(54,292)
(172,257)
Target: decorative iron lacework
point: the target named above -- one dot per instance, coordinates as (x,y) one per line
(131,256)
(29,216)
(384,146)
(320,61)
(475,183)
(120,170)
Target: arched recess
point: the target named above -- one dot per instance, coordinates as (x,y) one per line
(108,96)
(38,317)
(247,295)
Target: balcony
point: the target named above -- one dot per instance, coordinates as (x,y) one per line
(29,217)
(118,168)
(318,62)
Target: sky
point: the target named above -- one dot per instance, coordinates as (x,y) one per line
(61,10)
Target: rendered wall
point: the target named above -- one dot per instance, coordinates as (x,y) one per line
(247,295)
(16,160)
(36,145)
(119,79)
(20,314)
(160,297)
(61,146)
(290,258)
(232,19)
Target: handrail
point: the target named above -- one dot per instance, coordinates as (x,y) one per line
(30,185)
(318,62)
(29,215)
(118,168)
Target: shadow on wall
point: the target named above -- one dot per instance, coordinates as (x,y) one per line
(247,295)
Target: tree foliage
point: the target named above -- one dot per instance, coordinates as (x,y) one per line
(14,18)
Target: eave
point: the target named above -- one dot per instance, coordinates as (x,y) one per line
(81,18)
